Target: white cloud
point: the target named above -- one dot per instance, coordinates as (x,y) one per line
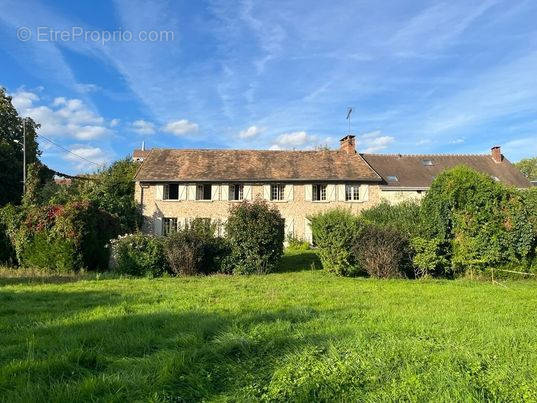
(252,131)
(114,122)
(373,142)
(143,127)
(93,154)
(63,117)
(180,127)
(300,139)
(457,141)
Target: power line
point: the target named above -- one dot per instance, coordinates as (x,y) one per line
(69,151)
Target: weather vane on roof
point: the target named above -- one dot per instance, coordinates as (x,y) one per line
(349,112)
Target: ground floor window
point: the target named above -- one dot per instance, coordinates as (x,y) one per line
(169,225)
(352,192)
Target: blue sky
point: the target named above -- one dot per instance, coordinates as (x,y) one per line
(422,76)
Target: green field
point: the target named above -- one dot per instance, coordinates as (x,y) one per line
(300,334)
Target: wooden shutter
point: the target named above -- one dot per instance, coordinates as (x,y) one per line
(224,192)
(266,192)
(215,192)
(182,192)
(159,192)
(247,192)
(364,192)
(288,192)
(289,227)
(308,192)
(191,192)
(157,225)
(308,236)
(331,192)
(341,192)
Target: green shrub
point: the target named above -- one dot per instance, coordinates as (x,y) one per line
(428,258)
(482,222)
(404,216)
(383,252)
(138,255)
(52,253)
(195,249)
(335,232)
(296,244)
(255,232)
(79,228)
(7,251)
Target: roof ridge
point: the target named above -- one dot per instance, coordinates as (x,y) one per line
(238,149)
(426,155)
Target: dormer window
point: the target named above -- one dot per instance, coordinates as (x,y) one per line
(203,192)
(427,162)
(392,178)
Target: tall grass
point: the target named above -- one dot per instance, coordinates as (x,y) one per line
(291,336)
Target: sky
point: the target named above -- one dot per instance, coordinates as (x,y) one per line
(421,76)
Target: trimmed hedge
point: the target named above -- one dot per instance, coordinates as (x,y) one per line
(255,231)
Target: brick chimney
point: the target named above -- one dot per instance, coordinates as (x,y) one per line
(496,153)
(348,144)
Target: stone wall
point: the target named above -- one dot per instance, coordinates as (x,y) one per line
(295,211)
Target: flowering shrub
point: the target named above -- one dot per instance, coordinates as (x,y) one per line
(138,255)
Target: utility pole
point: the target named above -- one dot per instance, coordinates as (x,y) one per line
(23,156)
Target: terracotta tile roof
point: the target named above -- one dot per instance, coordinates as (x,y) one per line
(140,153)
(253,165)
(411,171)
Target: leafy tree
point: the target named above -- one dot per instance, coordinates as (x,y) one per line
(11,158)
(528,167)
(478,222)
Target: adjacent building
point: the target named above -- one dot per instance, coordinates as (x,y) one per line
(174,186)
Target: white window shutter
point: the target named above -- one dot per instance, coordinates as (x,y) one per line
(159,192)
(215,192)
(308,192)
(157,225)
(266,192)
(341,192)
(182,192)
(331,192)
(289,192)
(247,192)
(225,192)
(181,222)
(191,192)
(308,235)
(364,192)
(289,227)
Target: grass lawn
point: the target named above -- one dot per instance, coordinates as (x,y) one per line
(298,335)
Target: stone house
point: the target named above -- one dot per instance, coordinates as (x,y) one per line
(174,186)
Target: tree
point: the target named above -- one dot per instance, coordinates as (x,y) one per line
(528,167)
(11,158)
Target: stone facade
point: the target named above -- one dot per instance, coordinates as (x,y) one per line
(395,195)
(295,209)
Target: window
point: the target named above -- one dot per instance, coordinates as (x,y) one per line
(236,192)
(352,192)
(203,192)
(171,191)
(169,226)
(392,178)
(277,192)
(427,162)
(318,192)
